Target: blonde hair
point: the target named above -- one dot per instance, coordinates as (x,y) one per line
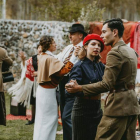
(83,53)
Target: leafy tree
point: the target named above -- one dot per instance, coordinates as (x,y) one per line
(91,13)
(63,10)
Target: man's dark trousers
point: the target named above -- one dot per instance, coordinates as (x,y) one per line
(66,118)
(66,104)
(62,92)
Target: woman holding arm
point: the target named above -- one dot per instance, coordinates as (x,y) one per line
(50,72)
(87,112)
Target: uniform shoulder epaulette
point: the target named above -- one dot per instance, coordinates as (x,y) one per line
(122,49)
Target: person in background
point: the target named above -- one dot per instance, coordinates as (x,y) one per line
(121,106)
(76,35)
(50,72)
(4,61)
(32,98)
(87,112)
(25,89)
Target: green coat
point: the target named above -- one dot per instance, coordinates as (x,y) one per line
(121,69)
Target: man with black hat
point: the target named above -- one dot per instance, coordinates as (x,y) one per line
(121,106)
(76,36)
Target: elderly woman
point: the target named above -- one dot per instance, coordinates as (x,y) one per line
(50,72)
(87,112)
(4,59)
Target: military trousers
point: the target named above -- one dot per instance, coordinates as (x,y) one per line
(117,128)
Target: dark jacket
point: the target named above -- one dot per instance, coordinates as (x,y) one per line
(34,59)
(86,72)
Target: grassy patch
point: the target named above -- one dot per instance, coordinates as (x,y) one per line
(16,129)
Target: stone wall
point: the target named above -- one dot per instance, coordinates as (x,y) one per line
(17,35)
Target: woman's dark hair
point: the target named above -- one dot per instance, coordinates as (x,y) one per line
(38,45)
(83,53)
(116,23)
(45,42)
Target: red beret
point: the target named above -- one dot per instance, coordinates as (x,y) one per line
(94,37)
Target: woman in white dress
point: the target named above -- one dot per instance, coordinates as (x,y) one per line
(50,72)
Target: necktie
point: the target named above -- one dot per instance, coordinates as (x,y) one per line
(68,58)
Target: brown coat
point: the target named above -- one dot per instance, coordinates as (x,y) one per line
(47,66)
(3,58)
(121,68)
(8,61)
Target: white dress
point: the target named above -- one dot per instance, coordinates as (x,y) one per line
(46,118)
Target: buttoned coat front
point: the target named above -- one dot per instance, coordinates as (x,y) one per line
(7,60)
(86,72)
(120,70)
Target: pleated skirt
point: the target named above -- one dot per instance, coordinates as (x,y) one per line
(46,118)
(86,115)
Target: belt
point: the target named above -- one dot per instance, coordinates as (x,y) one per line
(122,88)
(98,97)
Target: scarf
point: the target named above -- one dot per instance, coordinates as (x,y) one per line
(30,69)
(21,91)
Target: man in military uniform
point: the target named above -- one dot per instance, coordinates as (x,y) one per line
(121,106)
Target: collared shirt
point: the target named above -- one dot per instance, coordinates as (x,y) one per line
(50,53)
(65,53)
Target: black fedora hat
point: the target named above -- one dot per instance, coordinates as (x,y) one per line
(77,28)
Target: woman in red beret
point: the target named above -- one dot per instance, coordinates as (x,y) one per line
(87,112)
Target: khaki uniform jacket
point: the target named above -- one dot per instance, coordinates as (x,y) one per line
(121,68)
(3,58)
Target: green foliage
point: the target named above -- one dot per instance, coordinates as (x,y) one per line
(63,10)
(91,13)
